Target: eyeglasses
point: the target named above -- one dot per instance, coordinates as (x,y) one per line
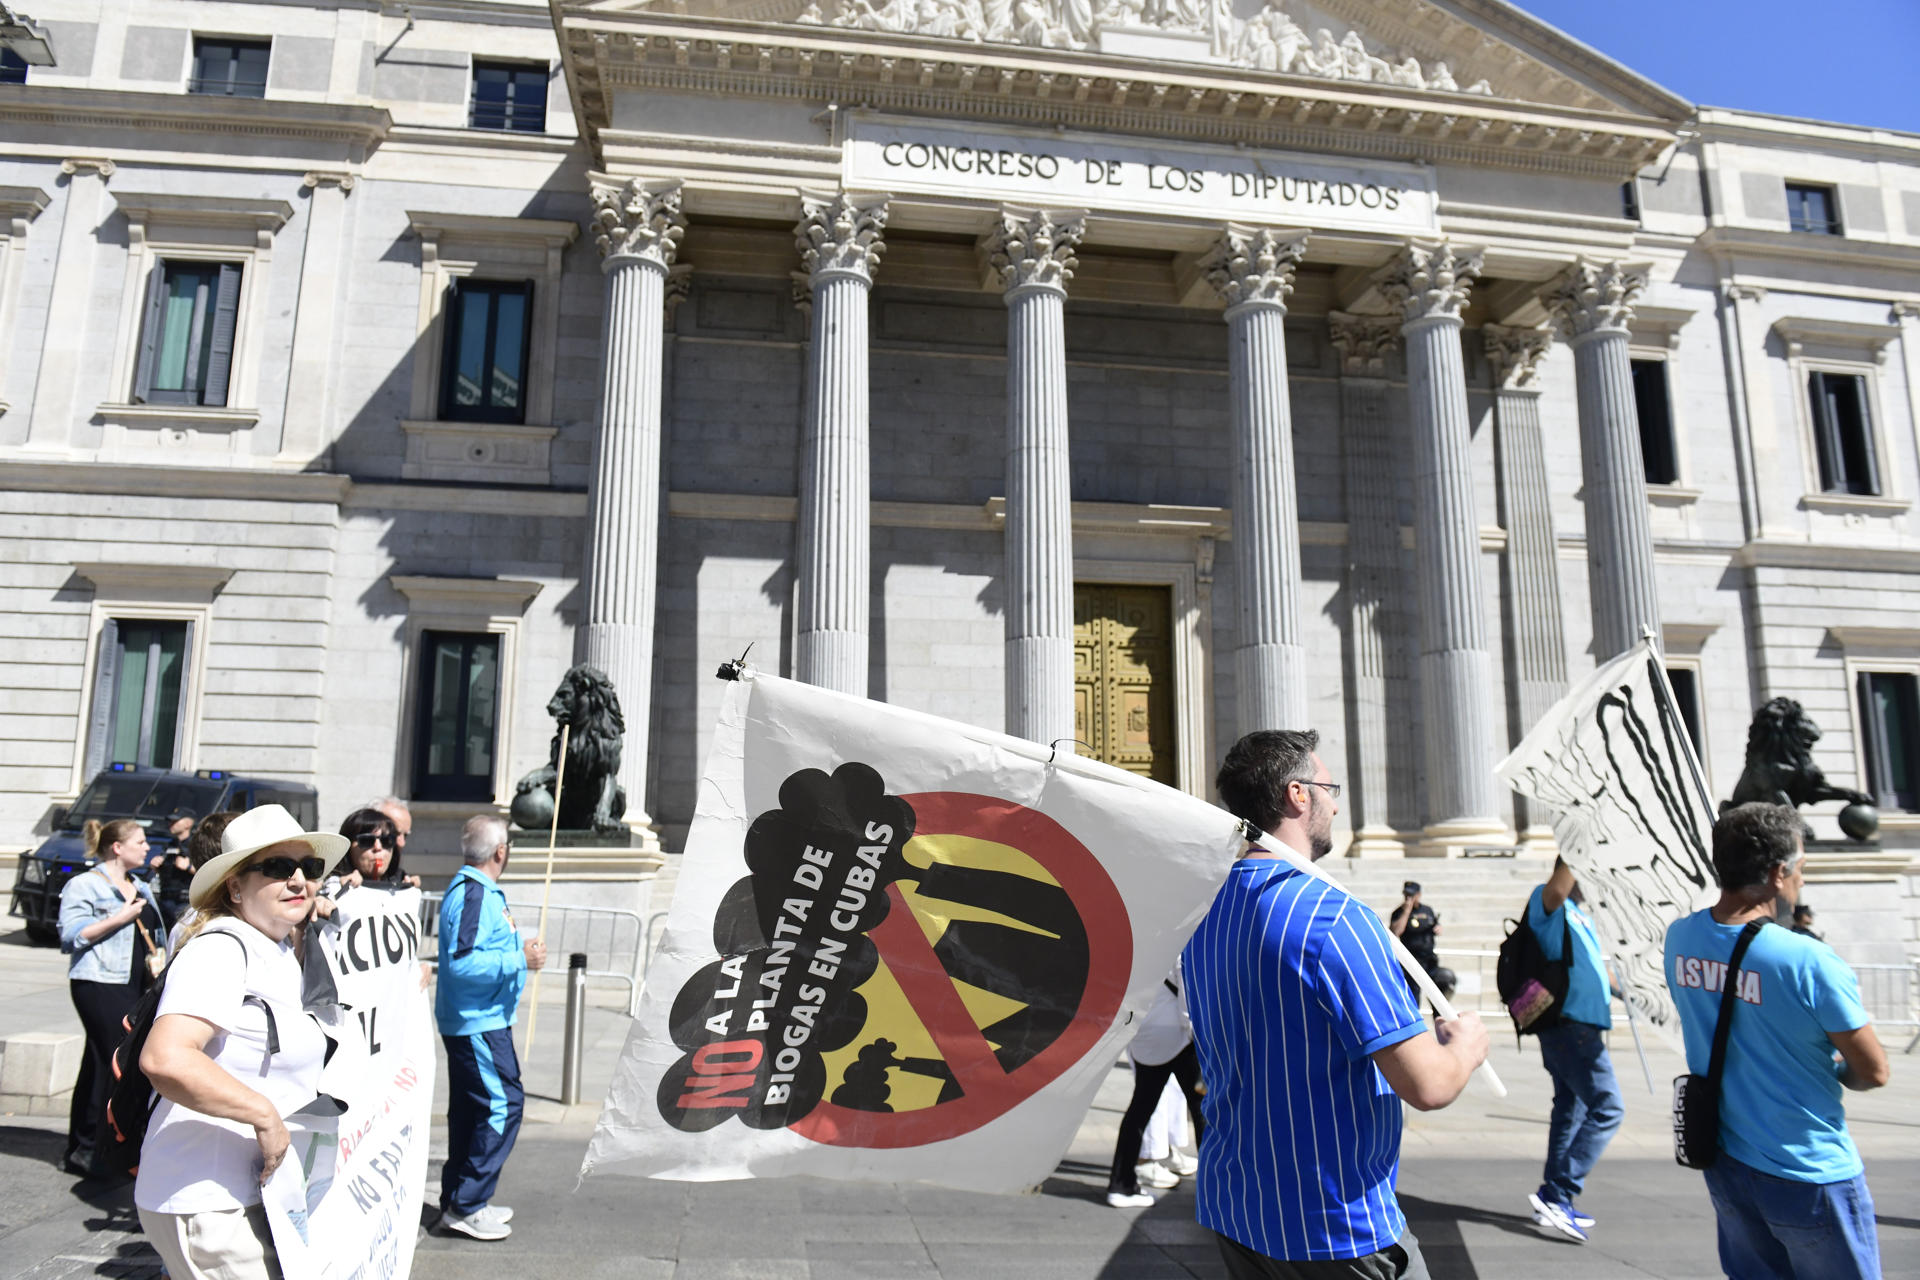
(372,838)
(1331,788)
(283,868)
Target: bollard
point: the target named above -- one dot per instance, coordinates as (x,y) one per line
(574,1048)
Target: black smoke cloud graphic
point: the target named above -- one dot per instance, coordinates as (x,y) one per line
(793,946)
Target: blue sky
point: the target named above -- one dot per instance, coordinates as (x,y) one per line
(1847,60)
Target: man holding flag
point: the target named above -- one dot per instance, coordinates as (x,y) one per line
(1294,991)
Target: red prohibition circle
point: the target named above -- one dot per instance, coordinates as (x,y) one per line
(990,1093)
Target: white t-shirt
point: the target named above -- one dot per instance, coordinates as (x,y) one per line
(1164,1031)
(192,1162)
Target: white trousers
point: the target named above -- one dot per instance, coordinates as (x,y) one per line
(217,1244)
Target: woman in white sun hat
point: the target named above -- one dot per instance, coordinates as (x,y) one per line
(232,1051)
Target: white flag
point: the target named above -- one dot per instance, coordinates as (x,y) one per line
(901,949)
(1632,816)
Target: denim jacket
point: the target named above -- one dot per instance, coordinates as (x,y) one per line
(89,897)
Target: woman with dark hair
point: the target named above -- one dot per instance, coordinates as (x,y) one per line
(108,921)
(373,852)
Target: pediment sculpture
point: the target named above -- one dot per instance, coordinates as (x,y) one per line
(1269,40)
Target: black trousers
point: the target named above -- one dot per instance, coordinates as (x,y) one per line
(1398,1261)
(103,1007)
(1148,1084)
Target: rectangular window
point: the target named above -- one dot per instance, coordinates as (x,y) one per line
(459,707)
(13,68)
(486,355)
(510,96)
(1650,399)
(1630,200)
(186,340)
(1686,697)
(1843,433)
(230,68)
(1890,723)
(1812,209)
(139,675)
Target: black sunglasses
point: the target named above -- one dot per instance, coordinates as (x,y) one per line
(283,868)
(371,838)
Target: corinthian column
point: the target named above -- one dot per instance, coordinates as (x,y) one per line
(1033,252)
(1252,268)
(1536,636)
(1428,284)
(638,229)
(1378,686)
(1593,302)
(839,242)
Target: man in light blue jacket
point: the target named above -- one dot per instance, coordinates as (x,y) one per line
(483,965)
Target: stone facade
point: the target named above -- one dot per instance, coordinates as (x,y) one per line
(1339,354)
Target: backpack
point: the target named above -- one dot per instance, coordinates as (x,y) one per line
(1532,987)
(131,1099)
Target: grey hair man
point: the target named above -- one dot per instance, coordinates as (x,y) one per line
(484,963)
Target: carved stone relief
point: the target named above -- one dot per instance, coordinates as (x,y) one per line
(1271,40)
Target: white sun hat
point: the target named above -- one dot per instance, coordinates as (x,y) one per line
(248,834)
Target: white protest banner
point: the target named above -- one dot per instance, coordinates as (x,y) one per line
(901,949)
(345,1204)
(1632,815)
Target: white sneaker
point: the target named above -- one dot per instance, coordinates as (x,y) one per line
(1183,1164)
(476,1225)
(1121,1200)
(1151,1173)
(494,1213)
(1556,1217)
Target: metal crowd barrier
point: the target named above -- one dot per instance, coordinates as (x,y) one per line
(617,943)
(1890,992)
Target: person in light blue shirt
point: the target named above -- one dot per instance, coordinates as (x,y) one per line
(1587,1107)
(1306,1033)
(484,964)
(1789,1192)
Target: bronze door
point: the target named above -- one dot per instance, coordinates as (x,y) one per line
(1123,677)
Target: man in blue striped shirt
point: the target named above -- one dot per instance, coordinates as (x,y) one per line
(1306,1034)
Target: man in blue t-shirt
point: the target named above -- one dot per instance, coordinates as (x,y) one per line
(1306,1033)
(1789,1191)
(1587,1108)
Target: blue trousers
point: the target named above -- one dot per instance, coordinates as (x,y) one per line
(484,1102)
(1587,1109)
(1774,1228)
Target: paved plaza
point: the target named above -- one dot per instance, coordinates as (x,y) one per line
(1464,1179)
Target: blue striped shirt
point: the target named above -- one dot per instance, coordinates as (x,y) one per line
(1291,983)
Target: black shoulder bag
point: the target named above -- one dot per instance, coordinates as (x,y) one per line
(1696,1099)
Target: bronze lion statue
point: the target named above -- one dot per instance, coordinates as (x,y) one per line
(1780,767)
(592,798)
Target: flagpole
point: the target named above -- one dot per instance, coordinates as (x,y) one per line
(1626,998)
(1419,976)
(546,893)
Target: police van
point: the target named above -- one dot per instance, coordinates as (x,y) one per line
(156,798)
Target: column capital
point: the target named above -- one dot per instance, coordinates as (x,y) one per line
(1253,266)
(96,164)
(679,284)
(1363,343)
(638,220)
(1034,248)
(839,235)
(1430,279)
(1514,355)
(330,178)
(1593,296)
